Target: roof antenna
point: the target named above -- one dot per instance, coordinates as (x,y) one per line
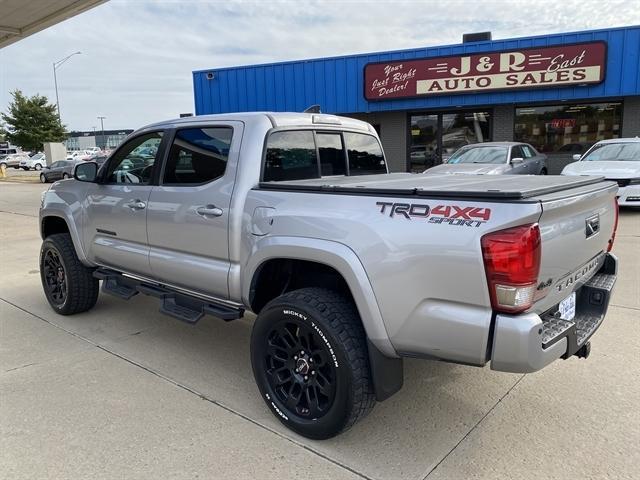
(313,109)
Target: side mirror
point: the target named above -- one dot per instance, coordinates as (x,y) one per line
(577,157)
(86,172)
(517,161)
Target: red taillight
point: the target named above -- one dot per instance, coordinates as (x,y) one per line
(512,263)
(615,225)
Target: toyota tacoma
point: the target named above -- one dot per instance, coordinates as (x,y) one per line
(349,268)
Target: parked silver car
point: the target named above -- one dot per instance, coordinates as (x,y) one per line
(13,159)
(495,158)
(57,171)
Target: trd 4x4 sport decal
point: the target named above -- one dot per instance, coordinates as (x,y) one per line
(440,214)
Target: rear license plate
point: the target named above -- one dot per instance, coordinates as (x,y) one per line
(567,307)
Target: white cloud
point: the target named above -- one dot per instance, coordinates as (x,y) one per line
(138,55)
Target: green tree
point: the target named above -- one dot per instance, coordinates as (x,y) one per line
(31,121)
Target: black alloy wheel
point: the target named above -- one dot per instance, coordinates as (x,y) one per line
(299,369)
(54,276)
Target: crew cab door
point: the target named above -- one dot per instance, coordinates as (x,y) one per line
(115,232)
(188,213)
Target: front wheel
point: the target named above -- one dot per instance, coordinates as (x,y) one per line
(543,171)
(43,178)
(65,176)
(68,285)
(309,358)
(38,166)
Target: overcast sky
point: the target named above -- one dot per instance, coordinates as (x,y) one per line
(138,55)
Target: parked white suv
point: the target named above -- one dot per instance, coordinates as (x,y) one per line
(36,162)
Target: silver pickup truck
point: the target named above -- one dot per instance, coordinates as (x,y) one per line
(348,268)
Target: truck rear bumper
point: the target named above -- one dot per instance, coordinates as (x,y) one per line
(529,342)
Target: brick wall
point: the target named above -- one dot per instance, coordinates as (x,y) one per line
(631,117)
(503,122)
(393,134)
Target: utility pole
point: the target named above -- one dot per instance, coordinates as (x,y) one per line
(57,65)
(101,118)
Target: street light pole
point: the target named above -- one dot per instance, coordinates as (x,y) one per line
(101,118)
(57,65)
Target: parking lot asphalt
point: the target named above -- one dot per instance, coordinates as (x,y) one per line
(123,391)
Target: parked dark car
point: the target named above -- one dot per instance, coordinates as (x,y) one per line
(57,171)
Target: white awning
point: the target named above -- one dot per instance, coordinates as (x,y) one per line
(21,18)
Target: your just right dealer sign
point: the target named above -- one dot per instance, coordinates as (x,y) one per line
(530,68)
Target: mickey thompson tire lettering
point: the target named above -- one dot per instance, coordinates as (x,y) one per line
(334,322)
(315,327)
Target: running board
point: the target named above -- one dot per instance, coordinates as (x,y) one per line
(184,307)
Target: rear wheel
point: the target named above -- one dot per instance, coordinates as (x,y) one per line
(309,358)
(65,176)
(68,285)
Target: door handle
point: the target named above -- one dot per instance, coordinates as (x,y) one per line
(136,205)
(209,210)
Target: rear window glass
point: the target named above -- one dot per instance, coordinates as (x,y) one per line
(365,154)
(291,155)
(332,156)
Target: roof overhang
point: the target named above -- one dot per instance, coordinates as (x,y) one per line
(21,18)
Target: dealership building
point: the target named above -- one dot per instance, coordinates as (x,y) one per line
(561,92)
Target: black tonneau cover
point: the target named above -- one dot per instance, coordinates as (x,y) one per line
(490,187)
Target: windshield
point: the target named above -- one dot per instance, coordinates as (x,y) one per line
(614,152)
(497,155)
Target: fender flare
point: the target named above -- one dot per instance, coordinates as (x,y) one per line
(73,231)
(386,366)
(333,254)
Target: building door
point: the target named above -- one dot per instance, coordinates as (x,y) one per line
(435,137)
(423,147)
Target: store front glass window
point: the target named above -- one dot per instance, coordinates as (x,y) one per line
(566,130)
(424,142)
(435,137)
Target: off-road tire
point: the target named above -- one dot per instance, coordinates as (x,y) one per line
(82,288)
(335,322)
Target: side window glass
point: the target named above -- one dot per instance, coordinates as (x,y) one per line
(198,155)
(291,155)
(365,154)
(516,152)
(332,156)
(527,151)
(134,162)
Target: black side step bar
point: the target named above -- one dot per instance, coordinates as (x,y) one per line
(181,306)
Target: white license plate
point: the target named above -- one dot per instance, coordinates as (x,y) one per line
(567,307)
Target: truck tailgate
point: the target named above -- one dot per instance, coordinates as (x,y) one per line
(576,227)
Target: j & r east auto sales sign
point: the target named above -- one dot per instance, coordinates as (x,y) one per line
(529,68)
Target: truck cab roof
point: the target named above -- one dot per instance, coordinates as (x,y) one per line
(277,119)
